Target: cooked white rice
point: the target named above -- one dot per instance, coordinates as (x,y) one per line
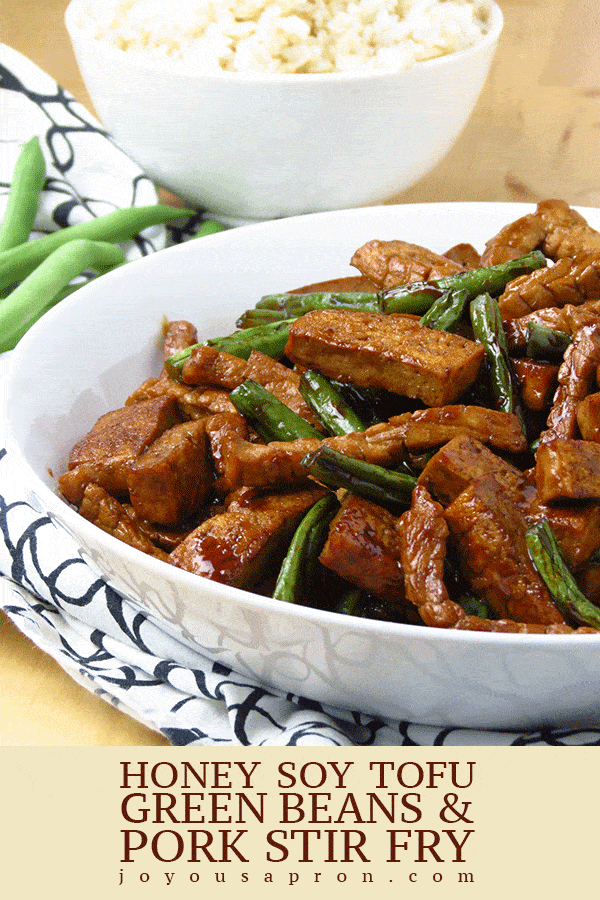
(289,36)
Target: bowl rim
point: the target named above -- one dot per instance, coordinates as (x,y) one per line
(58,508)
(486,44)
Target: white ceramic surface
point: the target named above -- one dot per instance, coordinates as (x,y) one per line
(88,353)
(265,146)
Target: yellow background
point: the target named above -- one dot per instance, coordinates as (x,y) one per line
(532,813)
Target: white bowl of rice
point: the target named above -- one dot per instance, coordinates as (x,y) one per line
(259,109)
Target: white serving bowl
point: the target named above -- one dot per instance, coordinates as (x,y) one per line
(265,146)
(413,673)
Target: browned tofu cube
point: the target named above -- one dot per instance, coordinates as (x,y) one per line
(105,454)
(588,417)
(463,460)
(537,381)
(568,470)
(388,351)
(364,548)
(171,479)
(577,530)
(242,545)
(588,580)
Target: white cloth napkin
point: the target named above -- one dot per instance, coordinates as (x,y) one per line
(101,639)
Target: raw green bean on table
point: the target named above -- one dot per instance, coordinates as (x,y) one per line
(36,293)
(28,178)
(61,295)
(120,225)
(270,418)
(328,404)
(547,558)
(336,470)
(296,576)
(419,296)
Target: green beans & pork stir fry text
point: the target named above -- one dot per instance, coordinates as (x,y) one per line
(419,443)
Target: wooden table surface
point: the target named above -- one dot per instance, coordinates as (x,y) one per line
(534,134)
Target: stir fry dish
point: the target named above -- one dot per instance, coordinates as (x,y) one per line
(418,443)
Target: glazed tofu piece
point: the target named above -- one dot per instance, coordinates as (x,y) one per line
(576,528)
(105,454)
(568,470)
(588,417)
(464,460)
(363,547)
(240,546)
(169,481)
(388,351)
(537,382)
(489,534)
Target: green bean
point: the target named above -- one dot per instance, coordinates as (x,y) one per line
(270,418)
(473,606)
(548,560)
(371,404)
(119,225)
(336,470)
(253,317)
(351,603)
(37,292)
(210,226)
(296,576)
(296,304)
(413,298)
(270,339)
(61,295)
(489,331)
(28,178)
(272,307)
(410,299)
(544,342)
(328,404)
(446,312)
